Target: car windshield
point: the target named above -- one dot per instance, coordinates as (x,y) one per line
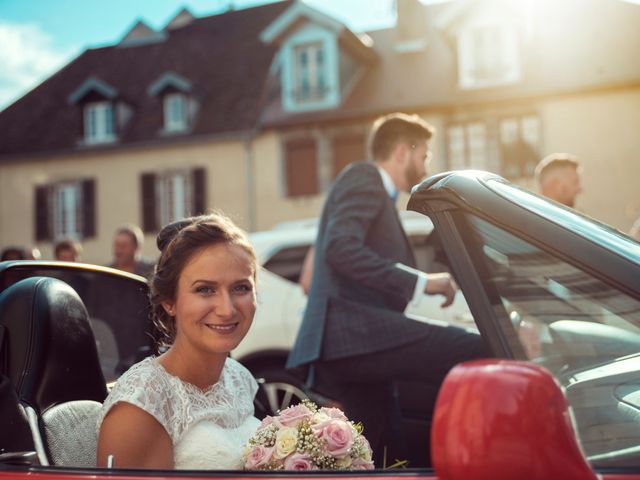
(586,332)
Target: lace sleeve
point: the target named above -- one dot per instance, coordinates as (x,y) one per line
(145,387)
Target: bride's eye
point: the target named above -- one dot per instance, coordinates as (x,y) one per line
(243,288)
(204,290)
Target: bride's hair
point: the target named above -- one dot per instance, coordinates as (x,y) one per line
(178,242)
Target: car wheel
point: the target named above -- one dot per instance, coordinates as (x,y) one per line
(277,391)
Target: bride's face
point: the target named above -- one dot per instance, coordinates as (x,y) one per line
(215,300)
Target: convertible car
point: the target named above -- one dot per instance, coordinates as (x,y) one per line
(555,296)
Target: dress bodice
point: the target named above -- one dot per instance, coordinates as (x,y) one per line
(208,428)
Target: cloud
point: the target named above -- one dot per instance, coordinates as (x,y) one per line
(27,57)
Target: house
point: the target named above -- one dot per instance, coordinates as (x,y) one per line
(256,111)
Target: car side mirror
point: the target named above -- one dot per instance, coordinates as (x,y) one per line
(504,419)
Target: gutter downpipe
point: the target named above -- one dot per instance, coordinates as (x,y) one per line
(250,178)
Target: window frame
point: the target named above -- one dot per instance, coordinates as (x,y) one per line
(473,153)
(170,102)
(502,50)
(99,122)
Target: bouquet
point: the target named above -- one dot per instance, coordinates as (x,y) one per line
(305,437)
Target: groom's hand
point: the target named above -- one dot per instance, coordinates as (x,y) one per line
(441,284)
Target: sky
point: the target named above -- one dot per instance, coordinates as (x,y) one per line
(38,37)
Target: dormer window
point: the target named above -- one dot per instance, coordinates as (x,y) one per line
(175,112)
(310,72)
(99,122)
(319,60)
(97,101)
(176,96)
(488,55)
(310,77)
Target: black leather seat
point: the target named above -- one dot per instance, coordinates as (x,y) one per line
(49,356)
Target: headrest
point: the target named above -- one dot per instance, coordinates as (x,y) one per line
(504,419)
(48,352)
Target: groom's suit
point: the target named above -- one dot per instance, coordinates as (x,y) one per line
(354,332)
(363,274)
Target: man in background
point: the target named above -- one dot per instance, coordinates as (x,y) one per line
(558,177)
(127,244)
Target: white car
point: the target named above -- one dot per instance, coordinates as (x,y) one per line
(281,300)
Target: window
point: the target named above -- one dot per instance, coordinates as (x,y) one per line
(99,122)
(584,330)
(173,195)
(310,73)
(488,55)
(170,196)
(175,112)
(67,218)
(467,146)
(301,167)
(287,262)
(519,145)
(65,210)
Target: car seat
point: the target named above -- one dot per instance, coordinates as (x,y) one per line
(49,356)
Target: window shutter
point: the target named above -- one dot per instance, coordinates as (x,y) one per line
(301,163)
(347,149)
(199,191)
(88,208)
(42,214)
(149,216)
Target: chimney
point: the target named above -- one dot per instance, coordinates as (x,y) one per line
(410,26)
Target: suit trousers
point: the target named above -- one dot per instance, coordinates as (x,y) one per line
(367,385)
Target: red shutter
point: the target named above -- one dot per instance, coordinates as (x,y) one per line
(149,214)
(88,208)
(199,191)
(301,163)
(347,149)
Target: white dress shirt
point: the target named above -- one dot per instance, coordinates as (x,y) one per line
(421,284)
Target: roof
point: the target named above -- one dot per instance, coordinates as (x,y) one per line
(221,55)
(560,55)
(223,62)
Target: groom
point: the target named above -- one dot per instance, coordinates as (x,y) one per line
(354,333)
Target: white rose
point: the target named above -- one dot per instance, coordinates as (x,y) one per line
(344,462)
(286,440)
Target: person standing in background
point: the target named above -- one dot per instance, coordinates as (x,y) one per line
(67,251)
(127,244)
(559,178)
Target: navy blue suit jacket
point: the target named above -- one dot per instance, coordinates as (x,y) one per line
(363,274)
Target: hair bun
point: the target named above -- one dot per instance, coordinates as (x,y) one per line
(170,231)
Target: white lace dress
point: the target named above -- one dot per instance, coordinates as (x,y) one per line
(209,428)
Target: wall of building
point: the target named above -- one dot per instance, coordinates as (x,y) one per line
(272,206)
(602,129)
(118,196)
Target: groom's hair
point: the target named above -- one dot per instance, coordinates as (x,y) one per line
(390,130)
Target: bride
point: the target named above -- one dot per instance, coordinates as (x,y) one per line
(192,406)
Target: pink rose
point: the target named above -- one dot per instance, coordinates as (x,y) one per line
(337,434)
(298,461)
(259,456)
(333,413)
(292,416)
(361,464)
